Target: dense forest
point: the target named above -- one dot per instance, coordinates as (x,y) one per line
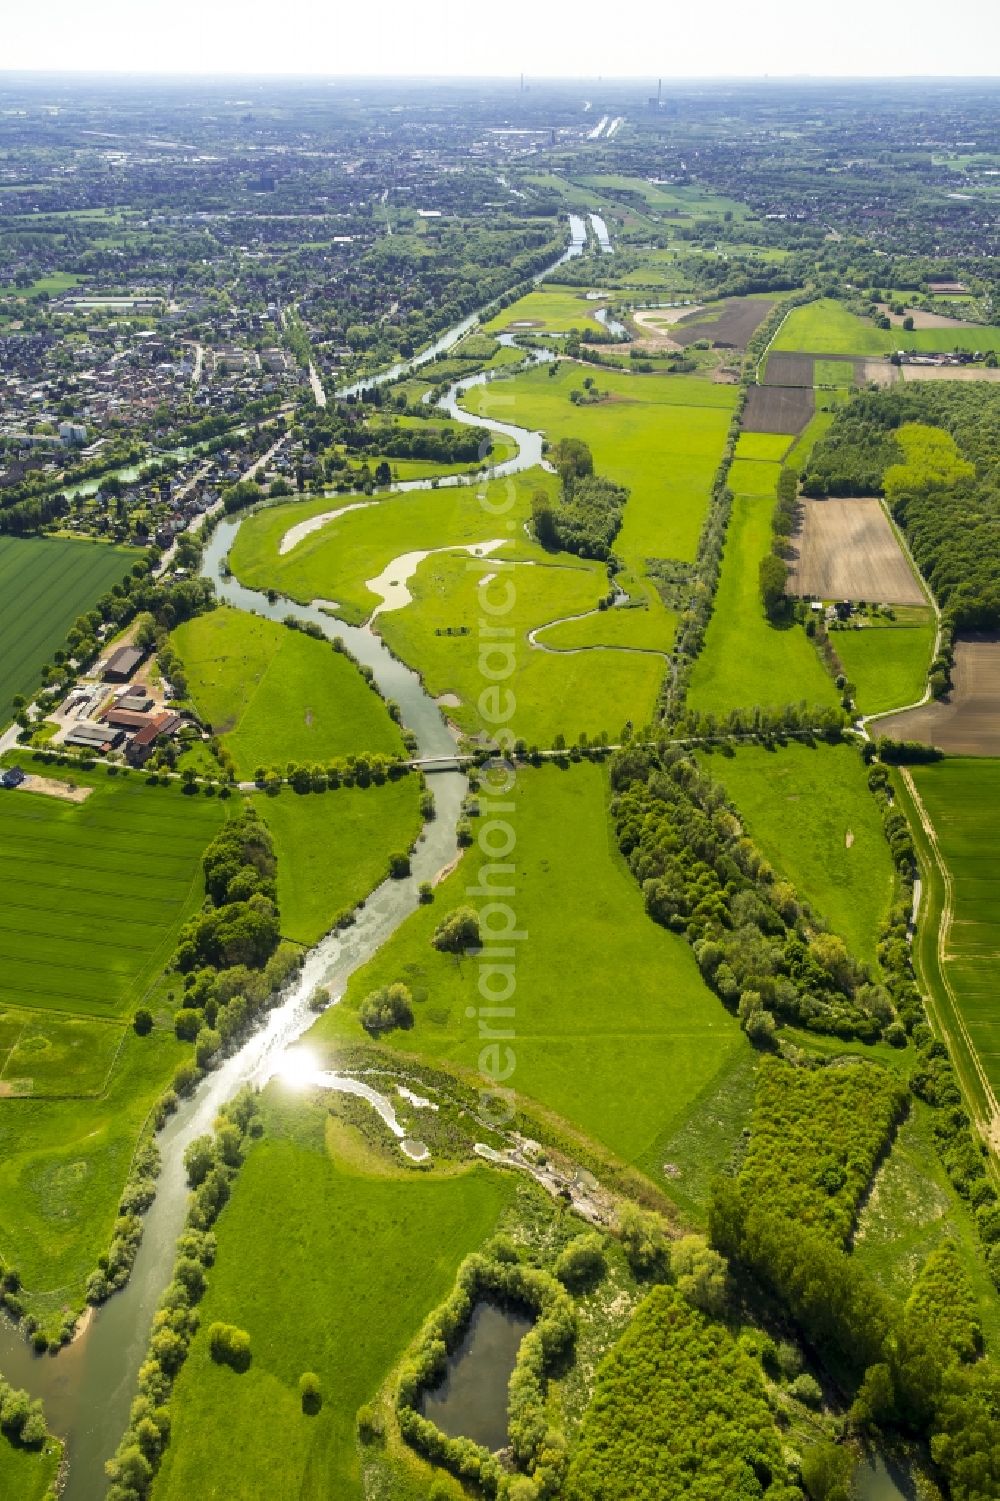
(933,449)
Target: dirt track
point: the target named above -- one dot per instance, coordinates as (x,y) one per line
(846,549)
(967,722)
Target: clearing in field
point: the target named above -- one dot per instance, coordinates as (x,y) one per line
(966,722)
(809,809)
(847,549)
(962,799)
(615,1029)
(45,583)
(887,660)
(97,892)
(777,409)
(275,695)
(330,1271)
(333,848)
(745,659)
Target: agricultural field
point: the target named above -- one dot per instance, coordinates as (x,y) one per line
(962,800)
(771,447)
(756,476)
(776,409)
(966,722)
(311,1258)
(727,325)
(746,660)
(333,848)
(274,695)
(45,583)
(99,891)
(888,660)
(847,550)
(827,327)
(810,811)
(608,1004)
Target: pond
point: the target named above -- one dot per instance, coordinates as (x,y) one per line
(878,1479)
(471,1401)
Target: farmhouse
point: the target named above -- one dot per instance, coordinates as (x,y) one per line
(122,664)
(126,719)
(140,747)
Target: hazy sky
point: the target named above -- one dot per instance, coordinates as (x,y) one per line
(544,38)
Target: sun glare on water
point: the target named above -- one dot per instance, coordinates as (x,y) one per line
(297,1067)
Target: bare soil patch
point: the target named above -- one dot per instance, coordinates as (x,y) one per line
(882,372)
(789,370)
(739,318)
(846,549)
(949,372)
(777,409)
(921,318)
(49,787)
(967,721)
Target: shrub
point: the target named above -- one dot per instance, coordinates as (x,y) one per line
(310,1392)
(581,1264)
(644,1243)
(381,1010)
(399,865)
(458,932)
(143,1022)
(806,1388)
(230,1346)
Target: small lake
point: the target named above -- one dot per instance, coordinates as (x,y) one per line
(471,1401)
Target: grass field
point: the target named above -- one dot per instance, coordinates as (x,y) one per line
(549,310)
(98,892)
(827,327)
(28,1474)
(276,695)
(753,476)
(888,659)
(962,798)
(333,848)
(771,447)
(745,660)
(328,1271)
(45,583)
(333,562)
(641,627)
(46,1054)
(836,373)
(554,693)
(660,435)
(800,805)
(615,1030)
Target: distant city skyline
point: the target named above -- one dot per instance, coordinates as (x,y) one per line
(862,38)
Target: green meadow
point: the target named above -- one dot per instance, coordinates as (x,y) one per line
(810,811)
(660,435)
(746,660)
(827,327)
(553,693)
(28,1474)
(771,447)
(888,660)
(753,476)
(641,629)
(549,310)
(962,798)
(333,848)
(275,695)
(333,562)
(330,1271)
(45,583)
(608,1005)
(98,891)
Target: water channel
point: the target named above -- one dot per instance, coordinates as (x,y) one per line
(88,1387)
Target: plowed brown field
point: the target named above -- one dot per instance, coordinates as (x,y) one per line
(846,549)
